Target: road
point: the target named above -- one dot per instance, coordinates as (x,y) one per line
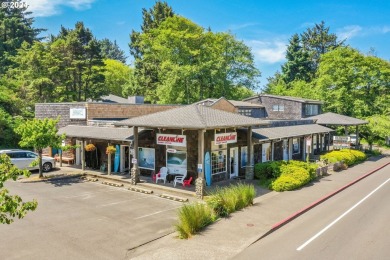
(84,220)
(353,224)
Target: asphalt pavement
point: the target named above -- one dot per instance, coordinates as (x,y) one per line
(353,224)
(228,237)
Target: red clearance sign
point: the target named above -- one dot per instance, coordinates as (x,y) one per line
(174,140)
(226,138)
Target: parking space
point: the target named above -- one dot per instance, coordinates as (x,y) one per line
(84,220)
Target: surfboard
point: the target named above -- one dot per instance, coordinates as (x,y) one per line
(117,158)
(207,168)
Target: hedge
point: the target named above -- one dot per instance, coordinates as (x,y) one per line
(292,177)
(349,156)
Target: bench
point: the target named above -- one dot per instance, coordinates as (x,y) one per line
(68,160)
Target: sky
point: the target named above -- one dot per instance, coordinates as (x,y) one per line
(264,25)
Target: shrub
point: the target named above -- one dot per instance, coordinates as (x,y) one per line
(192,219)
(268,169)
(224,201)
(284,183)
(310,167)
(292,177)
(349,156)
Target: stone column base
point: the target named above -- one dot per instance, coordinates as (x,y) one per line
(134,176)
(249,173)
(200,185)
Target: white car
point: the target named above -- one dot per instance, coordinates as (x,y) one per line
(23,159)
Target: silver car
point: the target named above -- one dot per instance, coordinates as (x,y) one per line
(23,159)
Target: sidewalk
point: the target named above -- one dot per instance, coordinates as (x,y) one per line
(227,237)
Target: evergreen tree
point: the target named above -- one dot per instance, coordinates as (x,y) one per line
(111,50)
(15,28)
(146,73)
(318,41)
(297,66)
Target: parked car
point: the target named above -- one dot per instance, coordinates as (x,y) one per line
(23,159)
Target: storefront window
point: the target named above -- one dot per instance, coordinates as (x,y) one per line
(218,158)
(244,152)
(266,152)
(295,145)
(176,159)
(311,110)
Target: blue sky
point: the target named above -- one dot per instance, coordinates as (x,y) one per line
(265,26)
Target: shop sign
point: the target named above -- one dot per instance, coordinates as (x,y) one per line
(226,138)
(174,140)
(77,113)
(308,140)
(171,150)
(341,142)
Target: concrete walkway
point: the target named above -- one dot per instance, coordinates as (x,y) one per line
(227,237)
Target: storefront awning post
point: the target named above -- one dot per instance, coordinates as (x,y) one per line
(249,174)
(83,154)
(200,182)
(134,178)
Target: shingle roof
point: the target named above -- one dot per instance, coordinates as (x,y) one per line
(192,117)
(298,99)
(236,103)
(97,132)
(337,119)
(272,133)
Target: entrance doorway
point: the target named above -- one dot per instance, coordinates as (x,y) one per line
(79,151)
(285,149)
(233,162)
(124,158)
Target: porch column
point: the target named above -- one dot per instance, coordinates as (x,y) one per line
(290,148)
(304,148)
(249,175)
(357,145)
(328,141)
(272,151)
(83,154)
(311,145)
(346,130)
(200,182)
(134,179)
(109,162)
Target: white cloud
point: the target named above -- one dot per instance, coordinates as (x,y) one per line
(235,27)
(53,7)
(348,32)
(268,51)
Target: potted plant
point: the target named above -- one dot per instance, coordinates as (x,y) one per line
(90,147)
(110,149)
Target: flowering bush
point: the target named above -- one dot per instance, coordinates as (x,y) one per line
(110,149)
(90,147)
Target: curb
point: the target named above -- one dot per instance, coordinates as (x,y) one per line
(112,184)
(172,197)
(140,190)
(49,178)
(314,204)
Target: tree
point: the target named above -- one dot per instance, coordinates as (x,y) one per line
(353,84)
(146,71)
(15,28)
(12,206)
(318,41)
(111,50)
(39,133)
(77,64)
(119,78)
(297,66)
(378,128)
(193,64)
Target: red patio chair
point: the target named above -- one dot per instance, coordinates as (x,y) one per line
(187,182)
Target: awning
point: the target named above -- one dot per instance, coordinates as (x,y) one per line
(336,119)
(272,133)
(97,132)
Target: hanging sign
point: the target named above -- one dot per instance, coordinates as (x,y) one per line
(170,150)
(226,138)
(174,140)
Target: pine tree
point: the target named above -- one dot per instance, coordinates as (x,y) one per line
(297,66)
